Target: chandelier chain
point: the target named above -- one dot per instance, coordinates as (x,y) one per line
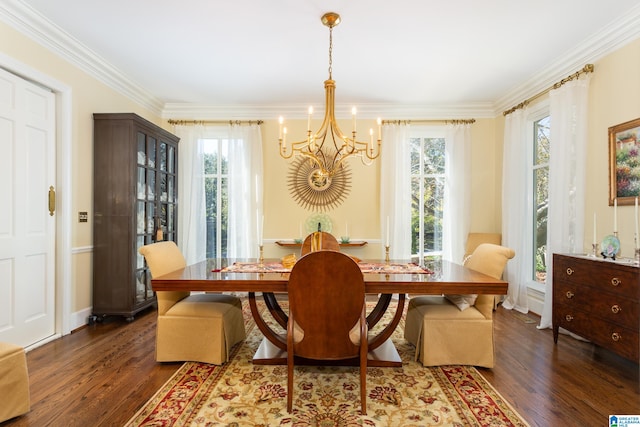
(330,52)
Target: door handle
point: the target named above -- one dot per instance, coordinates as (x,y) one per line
(52,200)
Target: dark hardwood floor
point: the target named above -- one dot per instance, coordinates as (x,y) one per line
(102,374)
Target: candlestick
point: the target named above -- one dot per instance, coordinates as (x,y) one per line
(386,256)
(387,240)
(261,259)
(636,222)
(615,216)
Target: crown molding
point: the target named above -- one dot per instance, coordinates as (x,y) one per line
(342,111)
(600,44)
(32,24)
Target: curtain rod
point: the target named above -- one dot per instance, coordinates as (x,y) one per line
(585,70)
(434,121)
(213,122)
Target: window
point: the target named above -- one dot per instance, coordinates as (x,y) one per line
(427,196)
(216,195)
(540,198)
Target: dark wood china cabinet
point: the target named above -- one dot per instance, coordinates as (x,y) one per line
(135,202)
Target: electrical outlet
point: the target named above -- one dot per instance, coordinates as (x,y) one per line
(83,217)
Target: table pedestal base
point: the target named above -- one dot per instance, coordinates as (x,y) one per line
(384,355)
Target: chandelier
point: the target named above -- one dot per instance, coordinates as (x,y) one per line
(329,147)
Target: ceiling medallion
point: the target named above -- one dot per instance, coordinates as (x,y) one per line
(314,190)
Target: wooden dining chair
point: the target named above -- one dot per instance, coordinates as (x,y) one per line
(199,327)
(319,240)
(327,314)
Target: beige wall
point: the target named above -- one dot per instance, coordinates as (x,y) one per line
(615,91)
(614,98)
(88,96)
(283,215)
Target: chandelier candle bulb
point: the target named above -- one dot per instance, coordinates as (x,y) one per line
(371,140)
(353,114)
(379,121)
(309,120)
(280,122)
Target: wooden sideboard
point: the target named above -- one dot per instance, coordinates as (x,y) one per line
(599,300)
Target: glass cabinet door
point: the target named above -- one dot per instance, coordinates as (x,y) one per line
(156,202)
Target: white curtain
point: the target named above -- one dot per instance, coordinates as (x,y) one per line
(244,195)
(457,191)
(245,191)
(516,208)
(191,207)
(567,175)
(395,191)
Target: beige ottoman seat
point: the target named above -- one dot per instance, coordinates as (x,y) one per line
(458,329)
(14,382)
(198,327)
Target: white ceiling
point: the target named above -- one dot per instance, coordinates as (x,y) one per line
(402,58)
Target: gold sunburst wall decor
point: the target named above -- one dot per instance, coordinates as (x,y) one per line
(314,190)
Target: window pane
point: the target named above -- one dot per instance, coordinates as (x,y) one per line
(541,146)
(433,198)
(542,141)
(211,159)
(415,155)
(211,192)
(433,155)
(427,193)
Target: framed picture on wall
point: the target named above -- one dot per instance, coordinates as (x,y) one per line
(624,162)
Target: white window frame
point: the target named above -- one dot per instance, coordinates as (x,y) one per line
(220,142)
(427,132)
(539,111)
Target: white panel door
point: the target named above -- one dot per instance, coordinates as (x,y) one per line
(27,230)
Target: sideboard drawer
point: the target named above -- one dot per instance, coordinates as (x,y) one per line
(621,340)
(605,275)
(603,305)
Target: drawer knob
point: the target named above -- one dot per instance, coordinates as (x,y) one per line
(568,318)
(569,271)
(569,294)
(615,309)
(616,336)
(615,281)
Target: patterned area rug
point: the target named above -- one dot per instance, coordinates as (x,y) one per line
(241,394)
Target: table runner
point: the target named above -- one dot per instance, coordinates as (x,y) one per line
(365,267)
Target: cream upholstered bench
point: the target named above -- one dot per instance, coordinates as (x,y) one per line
(14,382)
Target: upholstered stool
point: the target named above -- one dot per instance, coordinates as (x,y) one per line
(14,382)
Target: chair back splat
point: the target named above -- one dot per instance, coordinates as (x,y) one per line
(319,240)
(327,313)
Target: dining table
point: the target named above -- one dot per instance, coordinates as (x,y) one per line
(385,282)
